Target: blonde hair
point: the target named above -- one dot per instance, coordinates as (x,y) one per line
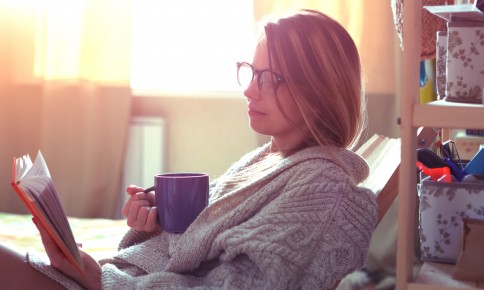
(321,67)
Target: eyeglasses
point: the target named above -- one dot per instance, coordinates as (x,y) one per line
(267,80)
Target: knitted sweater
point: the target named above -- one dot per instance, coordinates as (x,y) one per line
(303,224)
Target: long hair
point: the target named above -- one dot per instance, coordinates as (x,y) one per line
(321,66)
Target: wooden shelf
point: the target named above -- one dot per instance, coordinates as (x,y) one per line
(437,276)
(442,114)
(438,114)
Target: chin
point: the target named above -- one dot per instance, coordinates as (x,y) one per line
(259,129)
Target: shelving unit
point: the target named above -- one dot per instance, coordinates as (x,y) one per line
(440,114)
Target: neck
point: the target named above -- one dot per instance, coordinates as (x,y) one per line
(287,149)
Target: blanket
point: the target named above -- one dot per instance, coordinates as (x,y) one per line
(99,237)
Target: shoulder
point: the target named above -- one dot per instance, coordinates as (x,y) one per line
(319,175)
(329,182)
(329,162)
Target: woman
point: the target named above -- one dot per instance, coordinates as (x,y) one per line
(287,215)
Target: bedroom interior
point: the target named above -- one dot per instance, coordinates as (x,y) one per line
(77,108)
(74,102)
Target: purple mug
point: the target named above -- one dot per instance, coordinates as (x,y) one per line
(180,198)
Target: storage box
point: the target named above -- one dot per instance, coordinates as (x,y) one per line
(443,206)
(465,50)
(468,145)
(441,63)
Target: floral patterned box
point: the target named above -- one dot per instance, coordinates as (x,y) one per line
(465,62)
(441,63)
(464,59)
(442,208)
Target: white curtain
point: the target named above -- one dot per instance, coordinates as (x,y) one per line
(64,89)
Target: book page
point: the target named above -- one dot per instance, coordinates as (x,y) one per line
(43,191)
(22,166)
(34,185)
(383,157)
(39,168)
(388,161)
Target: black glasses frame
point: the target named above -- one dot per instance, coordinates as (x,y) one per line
(256,73)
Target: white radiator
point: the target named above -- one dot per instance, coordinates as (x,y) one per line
(145,155)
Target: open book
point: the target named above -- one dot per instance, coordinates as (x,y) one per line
(383,157)
(32,182)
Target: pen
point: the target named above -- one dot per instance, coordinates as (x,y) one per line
(149,189)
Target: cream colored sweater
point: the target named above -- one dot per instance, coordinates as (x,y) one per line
(304,224)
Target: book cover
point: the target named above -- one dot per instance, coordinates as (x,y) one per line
(33,184)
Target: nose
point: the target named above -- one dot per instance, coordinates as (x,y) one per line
(252,91)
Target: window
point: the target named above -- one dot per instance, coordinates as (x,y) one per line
(189,45)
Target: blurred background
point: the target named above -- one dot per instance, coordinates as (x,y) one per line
(115,91)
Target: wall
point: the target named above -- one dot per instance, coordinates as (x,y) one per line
(20,111)
(383,115)
(204,134)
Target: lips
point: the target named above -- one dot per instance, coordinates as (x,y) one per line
(255,111)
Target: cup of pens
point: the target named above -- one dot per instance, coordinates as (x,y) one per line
(180,198)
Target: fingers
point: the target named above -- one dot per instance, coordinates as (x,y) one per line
(56,257)
(146,199)
(141,214)
(133,189)
(135,195)
(140,210)
(136,208)
(146,220)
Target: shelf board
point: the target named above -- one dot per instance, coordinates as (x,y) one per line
(439,276)
(442,114)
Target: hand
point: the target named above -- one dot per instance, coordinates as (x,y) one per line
(91,279)
(140,210)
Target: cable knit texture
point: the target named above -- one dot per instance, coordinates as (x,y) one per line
(303,224)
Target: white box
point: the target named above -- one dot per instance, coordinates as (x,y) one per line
(467,145)
(442,208)
(465,52)
(441,63)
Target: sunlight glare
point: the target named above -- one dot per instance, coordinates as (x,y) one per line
(58,40)
(189,45)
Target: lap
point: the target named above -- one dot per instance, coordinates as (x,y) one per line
(16,273)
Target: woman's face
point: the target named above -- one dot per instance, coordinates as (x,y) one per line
(277,117)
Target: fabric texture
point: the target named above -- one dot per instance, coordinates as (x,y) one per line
(302,224)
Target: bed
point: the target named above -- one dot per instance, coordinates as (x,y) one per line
(99,237)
